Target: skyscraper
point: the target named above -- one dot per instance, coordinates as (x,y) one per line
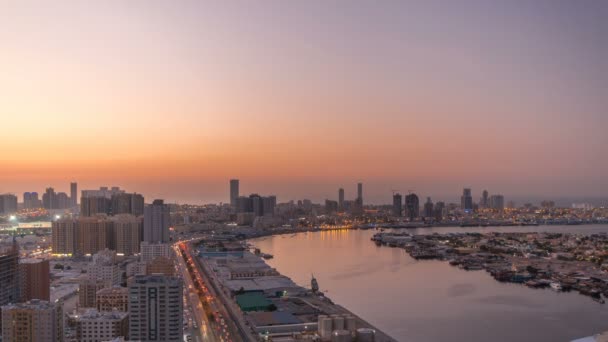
(74,193)
(428,208)
(438,211)
(8,204)
(156,222)
(360,192)
(483,203)
(48,199)
(31,200)
(9,268)
(127,233)
(497,202)
(85,235)
(412,205)
(9,274)
(155,308)
(397,204)
(126,203)
(331,207)
(466,201)
(340,199)
(234,192)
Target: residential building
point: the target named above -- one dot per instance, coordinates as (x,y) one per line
(8,204)
(33,321)
(156,309)
(127,233)
(397,204)
(95,326)
(113,298)
(150,251)
(412,205)
(156,222)
(34,279)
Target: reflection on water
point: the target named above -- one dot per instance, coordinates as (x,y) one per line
(430,300)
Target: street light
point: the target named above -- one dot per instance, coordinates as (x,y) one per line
(13,218)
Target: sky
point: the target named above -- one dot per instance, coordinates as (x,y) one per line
(173,98)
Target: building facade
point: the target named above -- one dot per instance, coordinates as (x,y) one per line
(155,309)
(156,222)
(34,279)
(33,321)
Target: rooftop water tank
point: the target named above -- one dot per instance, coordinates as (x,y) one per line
(350,323)
(338,322)
(365,335)
(341,336)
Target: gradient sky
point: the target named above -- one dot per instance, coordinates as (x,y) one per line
(173,98)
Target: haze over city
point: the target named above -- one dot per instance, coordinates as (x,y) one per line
(298,99)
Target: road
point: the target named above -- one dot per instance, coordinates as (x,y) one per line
(201,331)
(210,313)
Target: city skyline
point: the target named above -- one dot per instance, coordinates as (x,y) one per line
(503,96)
(349,192)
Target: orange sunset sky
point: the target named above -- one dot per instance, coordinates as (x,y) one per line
(171,99)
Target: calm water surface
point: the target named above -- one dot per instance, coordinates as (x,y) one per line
(431,300)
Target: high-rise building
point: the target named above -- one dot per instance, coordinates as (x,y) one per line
(156,222)
(8,204)
(55,200)
(331,207)
(87,291)
(150,251)
(428,208)
(102,192)
(95,205)
(31,200)
(63,236)
(360,192)
(234,192)
(126,203)
(34,279)
(93,234)
(74,194)
(483,202)
(497,202)
(104,267)
(48,199)
(438,211)
(161,265)
(466,201)
(95,326)
(113,298)
(260,206)
(9,273)
(85,235)
(412,205)
(341,199)
(127,234)
(33,321)
(155,308)
(62,201)
(397,204)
